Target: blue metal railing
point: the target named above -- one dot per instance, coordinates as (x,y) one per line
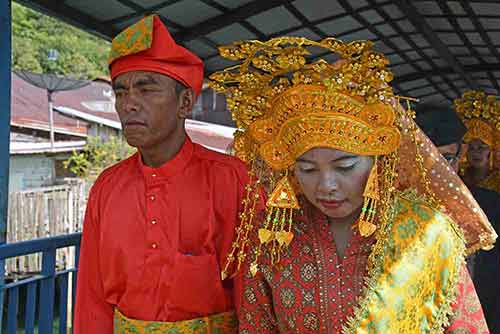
(44,283)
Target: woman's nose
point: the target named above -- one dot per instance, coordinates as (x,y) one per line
(328,182)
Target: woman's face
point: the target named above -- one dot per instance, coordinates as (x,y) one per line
(333,180)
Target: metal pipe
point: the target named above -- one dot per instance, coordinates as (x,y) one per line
(51,120)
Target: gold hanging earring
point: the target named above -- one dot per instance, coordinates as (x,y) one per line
(366,223)
(277,229)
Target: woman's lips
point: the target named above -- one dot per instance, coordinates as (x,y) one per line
(331,204)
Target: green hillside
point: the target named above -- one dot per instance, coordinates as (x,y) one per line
(33,35)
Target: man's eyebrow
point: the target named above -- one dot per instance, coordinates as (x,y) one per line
(147,80)
(117,85)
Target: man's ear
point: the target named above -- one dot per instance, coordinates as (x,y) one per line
(186,99)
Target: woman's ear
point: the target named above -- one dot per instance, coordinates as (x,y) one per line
(186,100)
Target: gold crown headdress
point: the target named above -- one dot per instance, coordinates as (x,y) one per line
(481,114)
(284,104)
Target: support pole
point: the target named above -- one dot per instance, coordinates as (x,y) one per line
(5,79)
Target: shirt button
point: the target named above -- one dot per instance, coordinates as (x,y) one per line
(154,245)
(153,175)
(152,198)
(153,222)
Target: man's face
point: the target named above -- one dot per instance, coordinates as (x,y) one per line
(450,153)
(478,154)
(148,107)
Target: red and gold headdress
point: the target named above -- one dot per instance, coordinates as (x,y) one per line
(148,46)
(481,115)
(286,102)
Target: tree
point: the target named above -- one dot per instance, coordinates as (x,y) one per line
(81,55)
(97,156)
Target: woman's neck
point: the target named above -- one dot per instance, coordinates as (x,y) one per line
(341,229)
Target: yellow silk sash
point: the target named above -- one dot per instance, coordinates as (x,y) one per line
(221,323)
(412,283)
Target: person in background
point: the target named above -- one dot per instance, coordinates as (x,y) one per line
(445,129)
(159,224)
(481,114)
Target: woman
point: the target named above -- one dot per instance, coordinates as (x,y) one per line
(481,114)
(353,237)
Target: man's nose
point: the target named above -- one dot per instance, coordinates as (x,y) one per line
(130,103)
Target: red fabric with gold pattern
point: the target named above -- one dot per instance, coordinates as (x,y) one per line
(468,316)
(161,54)
(311,290)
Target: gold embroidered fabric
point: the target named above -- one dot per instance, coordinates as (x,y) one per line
(136,38)
(222,323)
(415,273)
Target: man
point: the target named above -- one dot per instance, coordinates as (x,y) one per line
(445,129)
(159,225)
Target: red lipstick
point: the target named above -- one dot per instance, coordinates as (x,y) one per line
(331,204)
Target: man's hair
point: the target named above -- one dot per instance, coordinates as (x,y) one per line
(179,88)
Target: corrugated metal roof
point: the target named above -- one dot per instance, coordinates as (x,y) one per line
(444,46)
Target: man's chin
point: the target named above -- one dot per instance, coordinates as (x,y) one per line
(135,142)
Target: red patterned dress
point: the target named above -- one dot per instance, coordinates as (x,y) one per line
(312,290)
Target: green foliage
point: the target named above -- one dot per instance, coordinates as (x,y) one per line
(81,55)
(98,155)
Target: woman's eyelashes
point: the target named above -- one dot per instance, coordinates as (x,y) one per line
(341,168)
(307,170)
(346,168)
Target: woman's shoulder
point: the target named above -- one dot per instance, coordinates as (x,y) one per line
(416,216)
(419,206)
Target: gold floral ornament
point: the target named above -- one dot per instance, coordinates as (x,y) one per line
(285,102)
(481,114)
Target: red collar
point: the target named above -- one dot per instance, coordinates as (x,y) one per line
(173,166)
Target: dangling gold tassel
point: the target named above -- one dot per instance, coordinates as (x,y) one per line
(276,233)
(238,247)
(367,218)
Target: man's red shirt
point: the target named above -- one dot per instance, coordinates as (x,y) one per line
(155,239)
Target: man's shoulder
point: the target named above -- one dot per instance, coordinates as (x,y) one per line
(220,159)
(484,193)
(117,170)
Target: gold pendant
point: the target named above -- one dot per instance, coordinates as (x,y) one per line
(284,237)
(366,228)
(265,235)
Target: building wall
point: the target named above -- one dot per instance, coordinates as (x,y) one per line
(30,171)
(97,130)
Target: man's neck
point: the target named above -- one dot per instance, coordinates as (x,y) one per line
(167,150)
(476,175)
